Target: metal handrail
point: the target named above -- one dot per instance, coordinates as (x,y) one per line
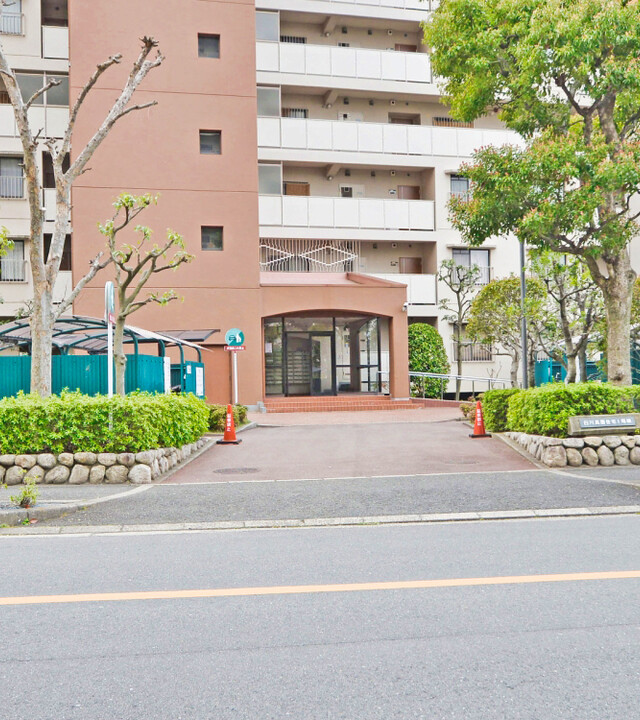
(473,379)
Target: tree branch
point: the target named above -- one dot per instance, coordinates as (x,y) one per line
(95,266)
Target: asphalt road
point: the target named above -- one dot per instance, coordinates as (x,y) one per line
(531,650)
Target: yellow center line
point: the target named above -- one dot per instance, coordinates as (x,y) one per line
(312,589)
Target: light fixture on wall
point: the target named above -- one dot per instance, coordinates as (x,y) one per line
(393,173)
(347,173)
(370,102)
(373,173)
(329,177)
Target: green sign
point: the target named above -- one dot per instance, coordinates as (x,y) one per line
(234,337)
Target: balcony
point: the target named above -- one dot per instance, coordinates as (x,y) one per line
(472,352)
(421,289)
(415,10)
(11,187)
(55,42)
(340,67)
(361,217)
(411,142)
(301,256)
(11,23)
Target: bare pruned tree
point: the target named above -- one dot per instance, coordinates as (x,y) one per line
(44,270)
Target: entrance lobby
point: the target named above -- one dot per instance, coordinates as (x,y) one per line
(326,355)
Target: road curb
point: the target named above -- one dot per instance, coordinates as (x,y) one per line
(491,515)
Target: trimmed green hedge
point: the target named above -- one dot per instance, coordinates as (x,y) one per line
(72,422)
(546,410)
(494,405)
(218,416)
(426,354)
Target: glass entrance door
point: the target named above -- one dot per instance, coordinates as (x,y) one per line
(322,364)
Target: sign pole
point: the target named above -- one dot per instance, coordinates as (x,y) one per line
(235,377)
(109,309)
(234,343)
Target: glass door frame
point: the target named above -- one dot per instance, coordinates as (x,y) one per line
(331,334)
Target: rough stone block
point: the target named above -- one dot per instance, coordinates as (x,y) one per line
(551,442)
(554,456)
(634,455)
(7,460)
(574,457)
(593,441)
(96,476)
(79,475)
(66,459)
(127,459)
(46,460)
(628,441)
(107,459)
(25,461)
(590,456)
(3,470)
(14,475)
(621,455)
(146,458)
(140,474)
(155,468)
(573,443)
(86,458)
(116,474)
(605,456)
(612,441)
(37,473)
(58,474)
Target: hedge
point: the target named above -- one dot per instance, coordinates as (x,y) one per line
(547,409)
(218,416)
(426,354)
(494,406)
(73,422)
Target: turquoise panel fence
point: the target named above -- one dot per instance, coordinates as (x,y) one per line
(15,374)
(189,376)
(548,371)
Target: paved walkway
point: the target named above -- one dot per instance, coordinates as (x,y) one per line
(384,417)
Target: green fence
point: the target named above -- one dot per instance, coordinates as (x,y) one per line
(189,376)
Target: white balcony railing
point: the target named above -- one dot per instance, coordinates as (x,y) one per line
(425,5)
(55,42)
(421,288)
(357,213)
(384,138)
(11,23)
(12,270)
(11,187)
(472,352)
(304,255)
(356,63)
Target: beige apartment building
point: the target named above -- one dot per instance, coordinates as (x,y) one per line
(301,149)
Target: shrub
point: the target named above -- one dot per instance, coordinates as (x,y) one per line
(426,354)
(494,406)
(547,409)
(72,422)
(218,416)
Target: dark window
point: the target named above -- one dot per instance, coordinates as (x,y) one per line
(211,237)
(208,46)
(48,179)
(65,263)
(55,12)
(210,142)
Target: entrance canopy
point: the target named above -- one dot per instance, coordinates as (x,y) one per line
(90,335)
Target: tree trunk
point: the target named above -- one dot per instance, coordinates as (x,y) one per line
(119,358)
(459,363)
(41,323)
(515,365)
(571,369)
(582,360)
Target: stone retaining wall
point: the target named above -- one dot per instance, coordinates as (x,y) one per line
(604,450)
(88,467)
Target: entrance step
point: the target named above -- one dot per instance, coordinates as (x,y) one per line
(337,403)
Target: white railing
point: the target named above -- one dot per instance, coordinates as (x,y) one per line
(55,42)
(12,270)
(472,352)
(304,255)
(421,288)
(11,187)
(364,137)
(358,63)
(425,5)
(11,23)
(329,212)
(417,380)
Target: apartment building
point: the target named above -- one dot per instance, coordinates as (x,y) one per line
(301,149)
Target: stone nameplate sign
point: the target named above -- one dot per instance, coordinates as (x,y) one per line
(604,424)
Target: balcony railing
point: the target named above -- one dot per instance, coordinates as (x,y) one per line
(11,187)
(12,270)
(425,5)
(472,352)
(293,133)
(357,213)
(421,288)
(55,42)
(298,255)
(11,23)
(356,63)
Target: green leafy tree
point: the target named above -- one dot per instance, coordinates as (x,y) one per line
(564,74)
(575,307)
(427,354)
(135,263)
(462,282)
(495,318)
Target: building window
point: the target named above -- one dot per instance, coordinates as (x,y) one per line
(211,237)
(208,46)
(12,263)
(32,82)
(468,258)
(11,180)
(267,26)
(459,186)
(210,142)
(270,179)
(268,102)
(65,263)
(11,19)
(48,178)
(55,12)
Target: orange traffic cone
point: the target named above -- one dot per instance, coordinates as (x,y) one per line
(229,437)
(478,428)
